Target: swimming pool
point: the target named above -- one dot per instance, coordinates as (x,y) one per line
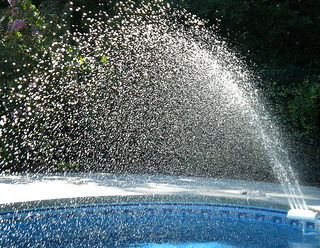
(154,224)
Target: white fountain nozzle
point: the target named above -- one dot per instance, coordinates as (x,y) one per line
(304,215)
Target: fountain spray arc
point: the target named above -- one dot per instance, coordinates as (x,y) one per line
(267,135)
(150,87)
(253,114)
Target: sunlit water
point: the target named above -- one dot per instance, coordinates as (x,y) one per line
(153,224)
(149,90)
(192,245)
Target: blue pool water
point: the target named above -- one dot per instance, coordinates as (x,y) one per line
(154,225)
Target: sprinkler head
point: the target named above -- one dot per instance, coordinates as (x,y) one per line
(303,215)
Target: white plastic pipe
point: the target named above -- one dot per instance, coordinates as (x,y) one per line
(303,215)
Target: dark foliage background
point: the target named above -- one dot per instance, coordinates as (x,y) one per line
(279,40)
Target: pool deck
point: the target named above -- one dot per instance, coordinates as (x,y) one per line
(38,190)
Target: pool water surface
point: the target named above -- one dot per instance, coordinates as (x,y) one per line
(152,224)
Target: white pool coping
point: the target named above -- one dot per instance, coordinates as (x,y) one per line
(50,188)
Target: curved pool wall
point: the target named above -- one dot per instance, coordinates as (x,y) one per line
(154,225)
(115,210)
